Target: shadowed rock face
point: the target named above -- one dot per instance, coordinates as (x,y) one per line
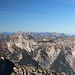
(63,65)
(6,66)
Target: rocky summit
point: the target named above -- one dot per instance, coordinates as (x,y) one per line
(30,53)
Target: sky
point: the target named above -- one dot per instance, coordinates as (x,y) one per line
(37,16)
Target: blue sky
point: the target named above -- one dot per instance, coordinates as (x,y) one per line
(37,16)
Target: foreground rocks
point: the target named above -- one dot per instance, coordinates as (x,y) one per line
(25,70)
(9,68)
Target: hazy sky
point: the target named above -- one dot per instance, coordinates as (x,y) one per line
(37,15)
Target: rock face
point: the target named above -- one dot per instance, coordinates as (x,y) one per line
(50,51)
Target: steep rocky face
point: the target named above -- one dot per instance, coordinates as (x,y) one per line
(61,65)
(22,42)
(56,53)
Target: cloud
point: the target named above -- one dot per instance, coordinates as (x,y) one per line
(6,14)
(67,10)
(64,8)
(45,15)
(3,15)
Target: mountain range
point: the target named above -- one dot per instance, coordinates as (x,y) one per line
(50,52)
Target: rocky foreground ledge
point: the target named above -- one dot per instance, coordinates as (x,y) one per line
(9,68)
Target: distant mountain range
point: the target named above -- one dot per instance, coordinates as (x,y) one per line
(40,33)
